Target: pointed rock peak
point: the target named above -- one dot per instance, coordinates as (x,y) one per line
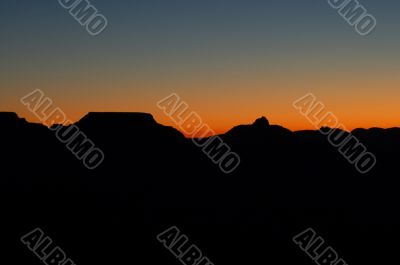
(261,122)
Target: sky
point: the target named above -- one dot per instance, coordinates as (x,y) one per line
(231,61)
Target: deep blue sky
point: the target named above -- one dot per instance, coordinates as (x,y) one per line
(255,55)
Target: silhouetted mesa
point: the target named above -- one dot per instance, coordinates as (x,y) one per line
(106,119)
(127,127)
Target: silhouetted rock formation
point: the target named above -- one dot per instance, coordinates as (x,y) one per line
(258,133)
(261,123)
(124,123)
(117,119)
(153,177)
(9,118)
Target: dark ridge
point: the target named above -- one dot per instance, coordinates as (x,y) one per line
(152,177)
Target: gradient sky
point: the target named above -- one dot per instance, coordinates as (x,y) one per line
(230,60)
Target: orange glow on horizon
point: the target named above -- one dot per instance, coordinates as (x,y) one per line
(225,100)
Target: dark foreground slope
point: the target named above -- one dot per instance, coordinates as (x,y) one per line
(153,177)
